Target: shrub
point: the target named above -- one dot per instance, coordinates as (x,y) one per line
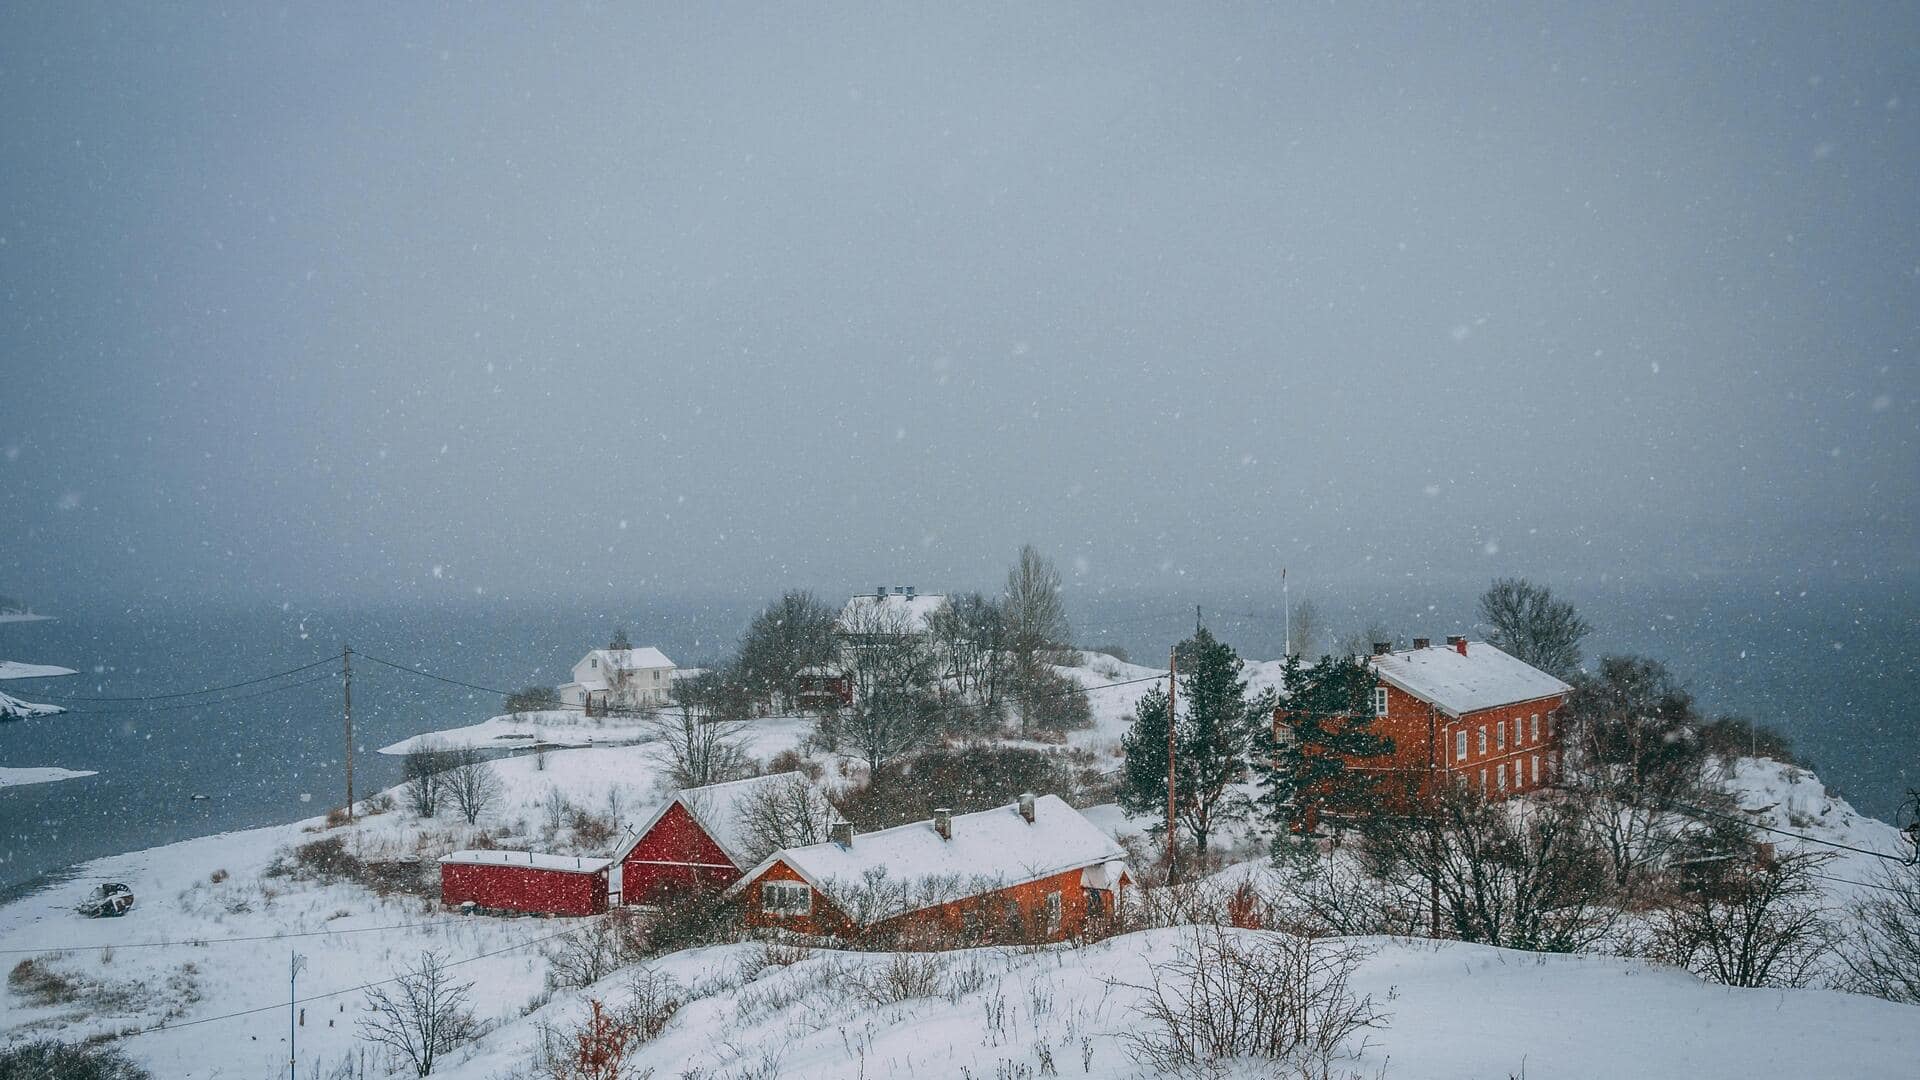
(36,980)
(67,1061)
(217,876)
(1230,994)
(533,699)
(1735,736)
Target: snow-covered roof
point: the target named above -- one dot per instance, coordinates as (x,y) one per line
(911,612)
(630,659)
(909,867)
(1483,678)
(12,708)
(534,860)
(717,807)
(14,669)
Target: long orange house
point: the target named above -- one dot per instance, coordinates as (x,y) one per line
(1032,870)
(1469,713)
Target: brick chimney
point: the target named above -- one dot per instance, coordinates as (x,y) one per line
(1382,648)
(841,832)
(1026,806)
(1421,643)
(943,822)
(1458,642)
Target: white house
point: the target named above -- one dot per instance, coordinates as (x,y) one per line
(904,610)
(617,680)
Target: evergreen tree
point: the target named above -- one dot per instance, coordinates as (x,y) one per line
(1306,758)
(1213,733)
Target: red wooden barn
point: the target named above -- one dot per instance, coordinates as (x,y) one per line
(1469,713)
(1032,870)
(699,839)
(525,881)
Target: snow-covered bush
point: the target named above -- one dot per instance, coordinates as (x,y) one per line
(46,1058)
(1230,994)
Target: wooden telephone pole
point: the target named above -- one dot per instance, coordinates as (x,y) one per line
(346,673)
(1173,691)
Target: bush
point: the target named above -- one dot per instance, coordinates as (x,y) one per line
(963,779)
(1735,737)
(533,699)
(50,1060)
(1236,994)
(36,981)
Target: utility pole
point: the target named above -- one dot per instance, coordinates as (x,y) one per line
(346,672)
(1173,692)
(294,963)
(1196,618)
(1286,616)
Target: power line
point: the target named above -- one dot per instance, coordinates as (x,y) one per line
(207,690)
(220,940)
(277,1006)
(202,704)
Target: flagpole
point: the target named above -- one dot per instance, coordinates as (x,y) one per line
(1286,614)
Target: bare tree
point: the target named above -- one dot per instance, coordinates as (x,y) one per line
(1884,945)
(701,735)
(970,632)
(1035,617)
(1747,914)
(423,769)
(1519,874)
(472,783)
(426,1014)
(1528,623)
(790,813)
(794,634)
(895,709)
(1305,627)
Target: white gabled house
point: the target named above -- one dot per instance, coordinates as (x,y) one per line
(619,680)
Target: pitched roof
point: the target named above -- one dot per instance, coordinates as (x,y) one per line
(532,860)
(14,669)
(717,808)
(1484,678)
(629,659)
(913,612)
(909,867)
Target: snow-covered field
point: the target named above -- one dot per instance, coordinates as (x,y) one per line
(12,776)
(195,977)
(552,728)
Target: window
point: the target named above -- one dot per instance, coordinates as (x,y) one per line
(1460,746)
(593,662)
(1379,701)
(1549,723)
(1536,768)
(1516,731)
(786,898)
(1553,765)
(1503,776)
(1500,735)
(1483,781)
(1053,912)
(1536,727)
(1483,742)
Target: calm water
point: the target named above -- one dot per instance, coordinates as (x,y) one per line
(1829,667)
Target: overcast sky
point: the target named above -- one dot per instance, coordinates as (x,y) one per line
(308,304)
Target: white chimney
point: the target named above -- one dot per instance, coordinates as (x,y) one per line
(1026,806)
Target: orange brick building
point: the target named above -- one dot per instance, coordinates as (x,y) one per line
(1034,870)
(1469,713)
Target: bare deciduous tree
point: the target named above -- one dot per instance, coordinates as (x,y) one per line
(423,769)
(471,783)
(795,633)
(1883,953)
(425,1015)
(1746,914)
(701,735)
(892,667)
(1528,623)
(789,813)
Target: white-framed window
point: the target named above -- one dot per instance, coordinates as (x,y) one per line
(1460,746)
(1536,768)
(1536,727)
(1483,781)
(593,662)
(1483,742)
(1553,764)
(1053,912)
(786,898)
(1500,735)
(1549,722)
(1503,776)
(1517,733)
(1379,701)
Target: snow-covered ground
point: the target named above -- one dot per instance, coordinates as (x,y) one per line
(551,728)
(43,774)
(196,974)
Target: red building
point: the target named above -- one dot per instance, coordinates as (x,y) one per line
(701,838)
(525,881)
(1033,870)
(1469,713)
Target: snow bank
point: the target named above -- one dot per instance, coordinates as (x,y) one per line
(44,774)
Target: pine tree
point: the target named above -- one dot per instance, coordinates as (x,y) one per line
(1306,760)
(1213,733)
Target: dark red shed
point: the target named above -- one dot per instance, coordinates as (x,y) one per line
(525,881)
(704,837)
